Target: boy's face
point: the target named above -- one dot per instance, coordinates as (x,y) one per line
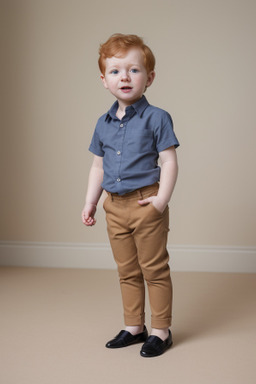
(126,77)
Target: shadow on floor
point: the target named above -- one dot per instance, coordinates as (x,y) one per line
(206,303)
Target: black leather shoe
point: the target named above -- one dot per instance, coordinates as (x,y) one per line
(154,346)
(125,338)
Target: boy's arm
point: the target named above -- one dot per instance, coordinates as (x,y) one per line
(168,177)
(94,191)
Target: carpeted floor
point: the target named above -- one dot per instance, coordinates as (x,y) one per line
(54,324)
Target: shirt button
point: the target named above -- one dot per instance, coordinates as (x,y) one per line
(121,125)
(118,152)
(118,179)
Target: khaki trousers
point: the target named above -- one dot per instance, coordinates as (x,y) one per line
(138,238)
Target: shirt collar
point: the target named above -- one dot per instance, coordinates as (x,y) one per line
(139,107)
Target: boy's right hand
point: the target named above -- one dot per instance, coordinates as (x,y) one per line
(88,214)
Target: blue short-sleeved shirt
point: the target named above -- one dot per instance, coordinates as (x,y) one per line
(130,147)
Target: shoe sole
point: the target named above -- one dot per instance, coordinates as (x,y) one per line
(124,346)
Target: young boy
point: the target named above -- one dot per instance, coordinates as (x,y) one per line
(127,142)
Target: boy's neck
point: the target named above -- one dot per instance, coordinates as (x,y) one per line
(122,107)
(120,112)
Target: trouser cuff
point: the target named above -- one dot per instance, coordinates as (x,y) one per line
(161,323)
(134,320)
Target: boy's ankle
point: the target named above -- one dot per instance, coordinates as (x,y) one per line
(134,329)
(162,333)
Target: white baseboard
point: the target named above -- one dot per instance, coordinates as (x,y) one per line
(99,256)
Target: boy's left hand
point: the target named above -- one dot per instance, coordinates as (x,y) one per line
(157,203)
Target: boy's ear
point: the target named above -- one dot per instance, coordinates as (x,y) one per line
(151,76)
(103,81)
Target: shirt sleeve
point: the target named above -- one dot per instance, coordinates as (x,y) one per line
(96,144)
(164,133)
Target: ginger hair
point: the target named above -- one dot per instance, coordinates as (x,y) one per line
(118,45)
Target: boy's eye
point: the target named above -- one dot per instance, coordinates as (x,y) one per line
(134,70)
(114,72)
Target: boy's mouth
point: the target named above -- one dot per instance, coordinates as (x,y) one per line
(126,89)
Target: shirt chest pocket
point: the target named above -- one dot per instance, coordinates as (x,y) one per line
(140,143)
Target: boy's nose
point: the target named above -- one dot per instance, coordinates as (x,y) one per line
(125,76)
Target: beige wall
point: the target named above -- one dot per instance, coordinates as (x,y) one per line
(206,64)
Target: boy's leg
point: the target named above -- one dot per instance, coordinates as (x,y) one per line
(151,239)
(125,254)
